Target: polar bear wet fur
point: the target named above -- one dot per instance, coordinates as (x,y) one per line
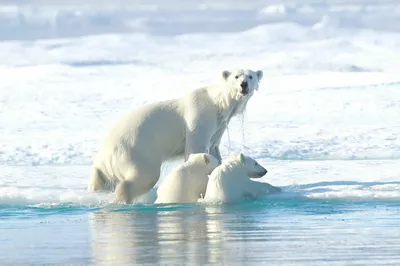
(230,181)
(188,181)
(134,149)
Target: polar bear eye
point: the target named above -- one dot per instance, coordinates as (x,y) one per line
(251,77)
(255,163)
(236,77)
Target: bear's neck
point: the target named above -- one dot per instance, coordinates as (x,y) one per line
(230,166)
(228,104)
(194,167)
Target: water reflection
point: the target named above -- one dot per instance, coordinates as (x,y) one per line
(164,236)
(183,237)
(124,238)
(310,234)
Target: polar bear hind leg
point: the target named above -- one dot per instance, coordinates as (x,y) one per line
(97,180)
(136,184)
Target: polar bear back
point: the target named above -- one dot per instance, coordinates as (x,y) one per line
(141,123)
(137,131)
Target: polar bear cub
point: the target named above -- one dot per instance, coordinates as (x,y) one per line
(230,181)
(187,182)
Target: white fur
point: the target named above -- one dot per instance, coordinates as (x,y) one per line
(187,182)
(230,181)
(133,151)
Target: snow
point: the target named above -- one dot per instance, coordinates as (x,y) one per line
(325,121)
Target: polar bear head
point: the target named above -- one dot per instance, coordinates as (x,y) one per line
(240,86)
(252,167)
(208,160)
(242,82)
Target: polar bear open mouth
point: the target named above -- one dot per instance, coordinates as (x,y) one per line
(244,92)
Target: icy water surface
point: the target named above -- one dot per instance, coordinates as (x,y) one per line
(273,231)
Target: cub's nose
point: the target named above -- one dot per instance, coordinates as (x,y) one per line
(263,173)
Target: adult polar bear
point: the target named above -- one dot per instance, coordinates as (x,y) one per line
(135,148)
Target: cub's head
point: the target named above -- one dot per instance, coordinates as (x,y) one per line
(253,169)
(242,82)
(208,160)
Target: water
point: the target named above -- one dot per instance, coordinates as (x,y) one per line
(338,214)
(325,123)
(271,231)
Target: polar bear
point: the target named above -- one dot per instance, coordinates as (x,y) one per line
(187,182)
(230,181)
(133,151)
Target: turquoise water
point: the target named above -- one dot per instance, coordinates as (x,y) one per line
(273,231)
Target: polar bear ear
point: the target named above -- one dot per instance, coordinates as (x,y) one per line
(259,74)
(226,74)
(242,159)
(206,159)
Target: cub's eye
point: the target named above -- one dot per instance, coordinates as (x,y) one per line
(251,77)
(236,77)
(255,163)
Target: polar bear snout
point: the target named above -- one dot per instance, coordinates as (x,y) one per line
(259,173)
(264,172)
(245,88)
